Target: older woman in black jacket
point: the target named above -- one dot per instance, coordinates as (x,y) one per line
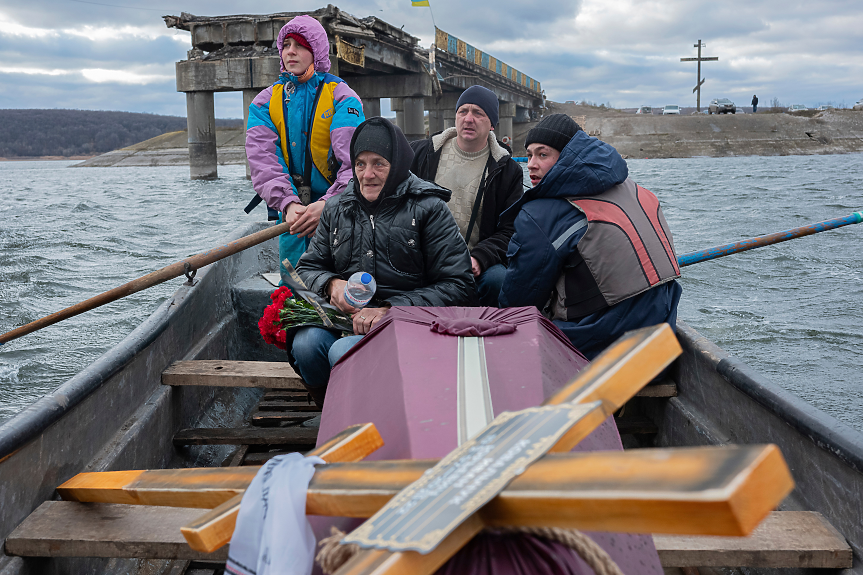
(391,224)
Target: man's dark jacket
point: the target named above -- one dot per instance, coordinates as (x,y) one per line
(414,249)
(503,187)
(543,240)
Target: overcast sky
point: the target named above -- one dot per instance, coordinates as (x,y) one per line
(119,55)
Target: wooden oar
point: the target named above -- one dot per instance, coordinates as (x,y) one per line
(761,241)
(175,270)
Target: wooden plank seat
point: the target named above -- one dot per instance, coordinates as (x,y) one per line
(635,425)
(259,458)
(786,539)
(282,405)
(286,395)
(274,418)
(664,388)
(295,435)
(789,539)
(224,373)
(72,529)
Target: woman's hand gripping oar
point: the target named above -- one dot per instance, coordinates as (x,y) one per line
(187,266)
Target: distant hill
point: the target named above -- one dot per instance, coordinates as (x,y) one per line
(29,133)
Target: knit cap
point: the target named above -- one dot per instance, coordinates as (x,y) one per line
(373,137)
(484,98)
(554,131)
(301,40)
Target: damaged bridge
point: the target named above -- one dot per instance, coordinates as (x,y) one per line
(378,60)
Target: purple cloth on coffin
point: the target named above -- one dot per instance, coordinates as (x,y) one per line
(403,377)
(471,327)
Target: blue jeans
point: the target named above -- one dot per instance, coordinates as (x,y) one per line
(316,351)
(488,285)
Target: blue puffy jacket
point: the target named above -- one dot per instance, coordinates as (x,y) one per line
(540,246)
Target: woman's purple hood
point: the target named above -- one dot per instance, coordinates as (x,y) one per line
(315,35)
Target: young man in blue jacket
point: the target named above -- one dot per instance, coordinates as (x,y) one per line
(591,248)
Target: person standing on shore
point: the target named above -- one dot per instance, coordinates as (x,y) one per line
(591,248)
(754,103)
(484,180)
(299,133)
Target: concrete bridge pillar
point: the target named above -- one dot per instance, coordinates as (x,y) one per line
(397,106)
(371,107)
(201,126)
(504,127)
(248,96)
(414,127)
(448,119)
(435,120)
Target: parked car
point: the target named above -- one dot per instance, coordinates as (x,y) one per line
(739,111)
(644,110)
(721,106)
(797,108)
(858,105)
(824,107)
(671,109)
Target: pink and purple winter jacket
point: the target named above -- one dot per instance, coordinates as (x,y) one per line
(270,174)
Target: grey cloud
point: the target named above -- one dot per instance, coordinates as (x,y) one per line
(812,51)
(68,51)
(33,91)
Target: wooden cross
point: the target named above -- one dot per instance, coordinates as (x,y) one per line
(705,491)
(699,81)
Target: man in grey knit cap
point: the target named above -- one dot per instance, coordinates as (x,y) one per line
(484,180)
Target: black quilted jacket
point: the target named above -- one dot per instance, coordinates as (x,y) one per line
(412,245)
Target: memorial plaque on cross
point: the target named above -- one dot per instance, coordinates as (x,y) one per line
(428,510)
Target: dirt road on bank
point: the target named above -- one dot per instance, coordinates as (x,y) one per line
(762,134)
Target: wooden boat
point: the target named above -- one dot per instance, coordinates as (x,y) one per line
(137,408)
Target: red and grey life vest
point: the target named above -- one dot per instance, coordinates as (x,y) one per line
(626,250)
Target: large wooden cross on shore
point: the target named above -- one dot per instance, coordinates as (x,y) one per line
(699,81)
(517,472)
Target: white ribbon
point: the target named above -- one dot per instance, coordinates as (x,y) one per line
(272,535)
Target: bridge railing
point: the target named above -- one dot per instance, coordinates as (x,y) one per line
(462,49)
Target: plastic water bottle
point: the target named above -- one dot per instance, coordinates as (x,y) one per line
(360,289)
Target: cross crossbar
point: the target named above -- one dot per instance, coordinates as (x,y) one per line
(716,491)
(613,378)
(647,490)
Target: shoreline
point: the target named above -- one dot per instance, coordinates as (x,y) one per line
(46,158)
(633,136)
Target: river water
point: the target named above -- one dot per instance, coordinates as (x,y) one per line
(792,311)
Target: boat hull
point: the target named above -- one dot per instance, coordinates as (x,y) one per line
(720,400)
(115,414)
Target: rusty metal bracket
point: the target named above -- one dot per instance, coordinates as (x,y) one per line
(190,274)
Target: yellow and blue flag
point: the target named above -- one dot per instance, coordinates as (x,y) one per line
(420,3)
